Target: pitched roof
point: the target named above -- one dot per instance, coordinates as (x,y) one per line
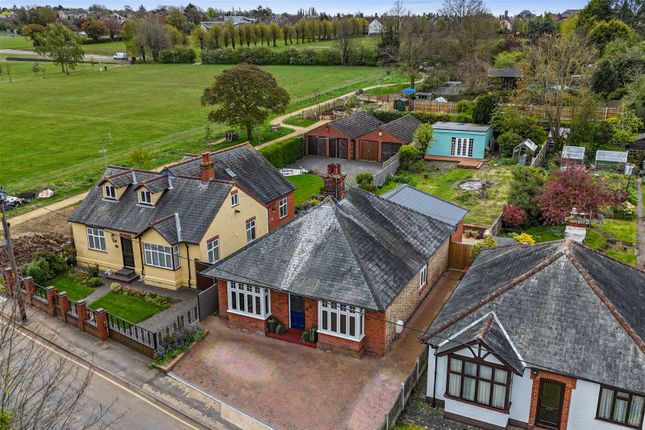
(402,128)
(460,126)
(195,202)
(612,156)
(426,204)
(243,165)
(573,152)
(360,251)
(565,307)
(155,184)
(357,124)
(507,72)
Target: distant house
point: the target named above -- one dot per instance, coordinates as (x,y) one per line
(526,15)
(568,13)
(549,336)
(223,20)
(375,27)
(505,25)
(504,78)
(320,271)
(460,142)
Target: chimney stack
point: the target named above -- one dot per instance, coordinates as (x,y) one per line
(207,167)
(334,182)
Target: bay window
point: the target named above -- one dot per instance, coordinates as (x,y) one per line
(164,257)
(341,320)
(478,382)
(96,239)
(248,300)
(620,407)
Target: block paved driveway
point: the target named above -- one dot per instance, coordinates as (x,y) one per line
(290,386)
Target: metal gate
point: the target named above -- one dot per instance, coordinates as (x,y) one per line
(207,302)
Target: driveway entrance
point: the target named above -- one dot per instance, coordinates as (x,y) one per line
(318,165)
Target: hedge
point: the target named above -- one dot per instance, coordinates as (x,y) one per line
(429,117)
(177,55)
(286,152)
(300,57)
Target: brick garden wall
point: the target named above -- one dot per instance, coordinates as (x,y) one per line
(340,345)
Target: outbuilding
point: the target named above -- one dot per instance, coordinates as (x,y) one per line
(611,160)
(458,142)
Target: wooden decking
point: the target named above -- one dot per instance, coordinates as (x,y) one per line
(466,163)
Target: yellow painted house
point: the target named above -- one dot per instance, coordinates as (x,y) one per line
(137,223)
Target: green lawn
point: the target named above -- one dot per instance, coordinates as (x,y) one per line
(51,126)
(626,255)
(595,240)
(105,48)
(132,309)
(299,121)
(623,230)
(545,233)
(72,285)
(16,42)
(307,186)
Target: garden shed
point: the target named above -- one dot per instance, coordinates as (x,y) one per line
(573,154)
(611,160)
(527,147)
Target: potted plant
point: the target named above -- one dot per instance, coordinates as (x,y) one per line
(279,329)
(313,334)
(305,336)
(272,323)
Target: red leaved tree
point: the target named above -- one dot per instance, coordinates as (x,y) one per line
(575,188)
(513,216)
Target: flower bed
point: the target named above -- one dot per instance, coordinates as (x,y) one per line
(172,346)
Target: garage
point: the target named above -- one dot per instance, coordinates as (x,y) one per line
(368,150)
(338,148)
(316,145)
(388,150)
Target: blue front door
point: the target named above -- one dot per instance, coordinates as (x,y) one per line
(297,309)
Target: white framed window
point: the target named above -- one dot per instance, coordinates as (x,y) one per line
(462,146)
(110,192)
(620,407)
(235,199)
(96,239)
(284,208)
(145,198)
(339,320)
(478,383)
(248,300)
(165,257)
(250,230)
(423,276)
(212,249)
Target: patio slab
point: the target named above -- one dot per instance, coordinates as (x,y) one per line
(318,165)
(290,386)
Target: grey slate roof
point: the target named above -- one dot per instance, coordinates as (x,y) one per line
(194,201)
(357,124)
(119,179)
(402,128)
(508,72)
(562,305)
(360,251)
(167,228)
(460,126)
(252,172)
(156,184)
(426,204)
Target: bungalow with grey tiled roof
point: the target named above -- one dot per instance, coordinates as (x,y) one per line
(549,336)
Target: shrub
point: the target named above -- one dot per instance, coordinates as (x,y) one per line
(488,242)
(172,346)
(407,154)
(304,57)
(365,180)
(513,216)
(465,106)
(282,153)
(524,238)
(94,282)
(506,142)
(177,55)
(45,267)
(537,135)
(483,110)
(93,271)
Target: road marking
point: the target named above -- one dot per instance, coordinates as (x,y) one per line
(95,372)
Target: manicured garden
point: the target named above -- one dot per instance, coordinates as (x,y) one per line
(73,285)
(307,186)
(131,305)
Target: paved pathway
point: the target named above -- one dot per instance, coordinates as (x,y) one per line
(640,226)
(86,57)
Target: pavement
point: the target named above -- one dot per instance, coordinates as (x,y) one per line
(289,386)
(640,227)
(318,164)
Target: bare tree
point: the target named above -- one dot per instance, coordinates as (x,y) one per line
(411,52)
(556,74)
(40,389)
(345,41)
(457,10)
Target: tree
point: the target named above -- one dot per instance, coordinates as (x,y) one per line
(412,47)
(275,32)
(62,45)
(94,29)
(540,26)
(345,41)
(507,142)
(625,128)
(555,75)
(636,96)
(588,131)
(407,154)
(244,96)
(596,10)
(177,19)
(214,37)
(575,188)
(483,110)
(154,35)
(423,137)
(525,186)
(198,36)
(604,32)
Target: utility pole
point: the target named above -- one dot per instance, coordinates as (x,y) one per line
(15,288)
(102,141)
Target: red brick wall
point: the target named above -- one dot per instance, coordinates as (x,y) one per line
(459,232)
(338,344)
(375,332)
(570,384)
(247,323)
(374,135)
(311,313)
(222,296)
(273,212)
(280,307)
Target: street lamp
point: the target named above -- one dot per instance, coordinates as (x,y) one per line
(15,288)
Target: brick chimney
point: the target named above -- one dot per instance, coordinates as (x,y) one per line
(334,182)
(575,229)
(207,168)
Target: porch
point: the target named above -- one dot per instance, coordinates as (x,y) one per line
(463,162)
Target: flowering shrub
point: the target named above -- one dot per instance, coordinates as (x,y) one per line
(488,242)
(148,296)
(172,346)
(513,216)
(524,238)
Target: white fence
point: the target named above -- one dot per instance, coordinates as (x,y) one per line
(389,168)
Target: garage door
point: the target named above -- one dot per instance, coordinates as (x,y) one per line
(338,148)
(388,150)
(312,145)
(368,150)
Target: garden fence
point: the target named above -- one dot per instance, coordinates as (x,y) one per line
(72,309)
(131,331)
(389,169)
(41,293)
(539,157)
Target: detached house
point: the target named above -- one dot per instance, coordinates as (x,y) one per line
(156,225)
(345,267)
(549,336)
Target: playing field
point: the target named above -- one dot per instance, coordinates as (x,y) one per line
(24,44)
(50,127)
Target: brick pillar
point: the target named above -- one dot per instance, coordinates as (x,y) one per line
(63,304)
(51,306)
(28,282)
(9,279)
(101,324)
(81,311)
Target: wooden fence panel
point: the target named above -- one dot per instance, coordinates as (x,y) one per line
(459,255)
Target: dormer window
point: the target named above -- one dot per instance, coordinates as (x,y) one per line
(235,200)
(109,192)
(145,198)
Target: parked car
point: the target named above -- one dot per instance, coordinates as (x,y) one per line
(120,56)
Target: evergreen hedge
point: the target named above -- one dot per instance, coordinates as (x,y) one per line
(291,56)
(286,152)
(429,117)
(177,55)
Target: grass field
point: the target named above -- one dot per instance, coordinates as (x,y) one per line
(24,44)
(307,186)
(16,42)
(51,126)
(72,285)
(132,309)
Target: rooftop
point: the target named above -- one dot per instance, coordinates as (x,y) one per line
(461,126)
(402,128)
(357,124)
(426,204)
